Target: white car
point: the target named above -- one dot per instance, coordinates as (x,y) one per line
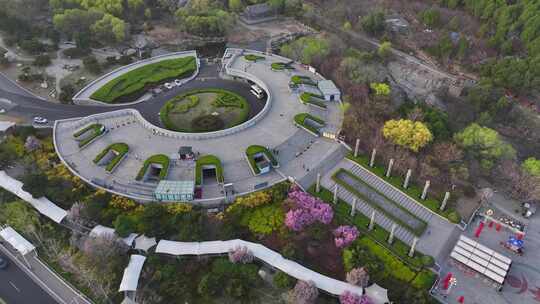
(178,82)
(40,120)
(168,85)
(2,111)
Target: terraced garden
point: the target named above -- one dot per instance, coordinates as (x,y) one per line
(204,110)
(133,84)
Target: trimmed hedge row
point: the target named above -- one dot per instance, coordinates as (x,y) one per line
(211,160)
(279,66)
(98,129)
(253,57)
(314,99)
(299,79)
(160,159)
(415,230)
(136,80)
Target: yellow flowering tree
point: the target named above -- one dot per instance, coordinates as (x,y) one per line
(178,208)
(407,133)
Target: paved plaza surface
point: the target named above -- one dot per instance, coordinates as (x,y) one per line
(299,153)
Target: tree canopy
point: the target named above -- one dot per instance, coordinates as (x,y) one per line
(308,50)
(410,134)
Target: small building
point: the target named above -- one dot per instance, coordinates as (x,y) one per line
(259,11)
(175,191)
(329,90)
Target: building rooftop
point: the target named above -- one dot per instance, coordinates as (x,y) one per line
(327,87)
(175,187)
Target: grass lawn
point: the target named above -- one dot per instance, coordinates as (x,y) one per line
(255,149)
(413,190)
(204,110)
(298,80)
(159,159)
(300,119)
(96,129)
(253,57)
(120,148)
(417,230)
(133,83)
(208,160)
(314,99)
(342,214)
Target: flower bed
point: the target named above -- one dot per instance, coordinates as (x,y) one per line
(412,191)
(133,83)
(159,159)
(208,160)
(120,148)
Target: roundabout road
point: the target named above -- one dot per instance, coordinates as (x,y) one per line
(27,106)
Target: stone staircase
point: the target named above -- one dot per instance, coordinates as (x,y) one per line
(383,221)
(390,192)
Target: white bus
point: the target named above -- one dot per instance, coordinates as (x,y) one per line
(257,91)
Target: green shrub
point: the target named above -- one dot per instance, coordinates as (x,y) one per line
(97,130)
(298,79)
(135,81)
(120,148)
(300,119)
(253,57)
(183,107)
(313,99)
(251,151)
(283,280)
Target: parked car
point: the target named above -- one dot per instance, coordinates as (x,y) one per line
(3,262)
(40,120)
(168,85)
(178,82)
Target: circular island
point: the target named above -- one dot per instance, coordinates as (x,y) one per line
(204,110)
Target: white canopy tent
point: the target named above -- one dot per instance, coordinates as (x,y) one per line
(104,231)
(16,240)
(269,256)
(130,280)
(377,294)
(42,204)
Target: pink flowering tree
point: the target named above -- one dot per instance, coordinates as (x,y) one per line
(345,235)
(352,298)
(241,255)
(358,277)
(307,210)
(304,293)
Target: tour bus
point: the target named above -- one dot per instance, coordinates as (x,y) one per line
(257,91)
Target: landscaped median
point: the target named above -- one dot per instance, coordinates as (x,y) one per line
(313,99)
(131,85)
(161,161)
(210,161)
(412,191)
(309,122)
(256,155)
(112,155)
(85,135)
(280,66)
(379,201)
(342,214)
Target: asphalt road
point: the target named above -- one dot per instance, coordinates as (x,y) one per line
(26,106)
(16,287)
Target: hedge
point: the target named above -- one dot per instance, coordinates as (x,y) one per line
(253,57)
(254,149)
(300,119)
(136,80)
(298,79)
(412,191)
(279,66)
(160,159)
(121,148)
(208,160)
(314,99)
(415,230)
(98,130)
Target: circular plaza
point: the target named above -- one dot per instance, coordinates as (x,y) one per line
(263,119)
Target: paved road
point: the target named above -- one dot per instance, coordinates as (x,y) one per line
(26,106)
(16,287)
